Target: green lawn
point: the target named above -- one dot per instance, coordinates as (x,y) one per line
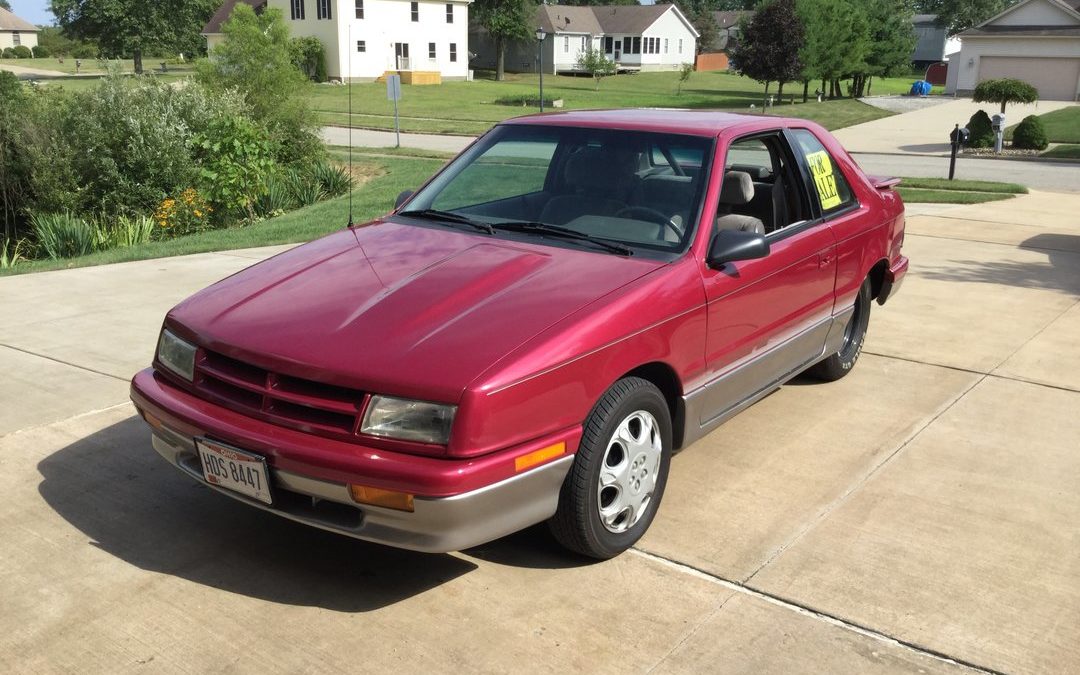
(963,185)
(919,195)
(1062,126)
(470,108)
(371,200)
(1066,151)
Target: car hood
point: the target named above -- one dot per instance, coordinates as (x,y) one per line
(398,309)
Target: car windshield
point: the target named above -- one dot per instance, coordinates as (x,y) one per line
(624,191)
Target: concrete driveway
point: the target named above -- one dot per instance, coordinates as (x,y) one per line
(926,130)
(918,516)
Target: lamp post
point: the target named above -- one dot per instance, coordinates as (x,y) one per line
(540,35)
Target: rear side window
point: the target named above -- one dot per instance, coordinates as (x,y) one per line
(826,182)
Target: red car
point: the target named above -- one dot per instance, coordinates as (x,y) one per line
(533,333)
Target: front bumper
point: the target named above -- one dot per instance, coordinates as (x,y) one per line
(894,277)
(305,493)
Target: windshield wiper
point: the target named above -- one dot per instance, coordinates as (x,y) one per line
(564,232)
(449,217)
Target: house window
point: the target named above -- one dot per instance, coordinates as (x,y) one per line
(665,45)
(680,45)
(415,9)
(322,9)
(297,7)
(449,13)
(609,44)
(431,50)
(16,39)
(636,49)
(361,46)
(359,9)
(584,41)
(453,52)
(566,44)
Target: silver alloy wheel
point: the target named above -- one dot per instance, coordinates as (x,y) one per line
(629,471)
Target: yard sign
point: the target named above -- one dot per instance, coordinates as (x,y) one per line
(822,169)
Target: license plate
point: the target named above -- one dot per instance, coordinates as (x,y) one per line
(235,470)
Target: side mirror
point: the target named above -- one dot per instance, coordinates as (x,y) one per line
(402,198)
(731,245)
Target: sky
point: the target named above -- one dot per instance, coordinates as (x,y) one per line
(35,11)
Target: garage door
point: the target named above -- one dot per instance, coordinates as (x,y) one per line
(1056,79)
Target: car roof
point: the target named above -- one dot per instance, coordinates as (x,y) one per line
(669,120)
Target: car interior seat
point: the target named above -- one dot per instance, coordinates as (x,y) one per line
(598,182)
(737,190)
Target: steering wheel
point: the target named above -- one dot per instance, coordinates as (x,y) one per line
(653,216)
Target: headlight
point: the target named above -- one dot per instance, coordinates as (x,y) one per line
(177,355)
(408,420)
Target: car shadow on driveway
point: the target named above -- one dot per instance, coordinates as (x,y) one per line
(1062,274)
(129,502)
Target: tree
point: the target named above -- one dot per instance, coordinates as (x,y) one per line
(135,27)
(1005,91)
(958,15)
(705,24)
(593,62)
(892,41)
(505,20)
(5,4)
(685,71)
(837,42)
(769,45)
(255,59)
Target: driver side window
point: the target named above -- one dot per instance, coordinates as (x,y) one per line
(760,192)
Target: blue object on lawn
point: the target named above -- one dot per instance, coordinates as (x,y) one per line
(921,88)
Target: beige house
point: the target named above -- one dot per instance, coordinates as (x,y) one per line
(1037,41)
(15,31)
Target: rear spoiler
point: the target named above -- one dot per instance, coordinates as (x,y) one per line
(884,182)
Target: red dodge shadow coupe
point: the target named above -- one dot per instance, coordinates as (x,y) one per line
(531,334)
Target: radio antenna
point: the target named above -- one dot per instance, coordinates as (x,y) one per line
(352,179)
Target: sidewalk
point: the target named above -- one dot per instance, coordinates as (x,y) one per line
(926,131)
(369,138)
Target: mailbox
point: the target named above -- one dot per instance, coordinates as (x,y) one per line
(997,121)
(960,136)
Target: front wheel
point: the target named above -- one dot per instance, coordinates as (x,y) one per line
(840,364)
(612,492)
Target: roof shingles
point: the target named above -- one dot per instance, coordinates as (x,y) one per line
(9,21)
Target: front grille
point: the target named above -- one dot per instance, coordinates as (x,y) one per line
(288,401)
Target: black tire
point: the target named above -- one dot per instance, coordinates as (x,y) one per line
(577,524)
(840,364)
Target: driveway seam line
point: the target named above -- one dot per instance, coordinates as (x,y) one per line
(839,501)
(62,362)
(806,610)
(993,374)
(43,425)
(1022,247)
(690,633)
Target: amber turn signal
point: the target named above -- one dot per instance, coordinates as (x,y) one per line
(389,499)
(539,456)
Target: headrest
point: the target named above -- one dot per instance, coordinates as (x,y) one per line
(737,188)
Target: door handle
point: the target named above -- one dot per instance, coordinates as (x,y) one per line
(824,261)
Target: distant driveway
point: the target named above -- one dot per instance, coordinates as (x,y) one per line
(926,130)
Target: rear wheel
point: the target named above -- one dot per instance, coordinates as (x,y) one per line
(840,364)
(611,494)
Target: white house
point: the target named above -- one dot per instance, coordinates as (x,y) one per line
(425,40)
(1037,41)
(15,31)
(635,37)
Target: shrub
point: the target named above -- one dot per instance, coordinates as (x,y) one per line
(335,180)
(62,235)
(1003,91)
(1030,134)
(10,256)
(303,189)
(124,232)
(235,157)
(186,214)
(85,51)
(8,53)
(22,52)
(982,131)
(41,52)
(130,143)
(275,199)
(309,56)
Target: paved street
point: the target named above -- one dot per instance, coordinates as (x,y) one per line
(917,516)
